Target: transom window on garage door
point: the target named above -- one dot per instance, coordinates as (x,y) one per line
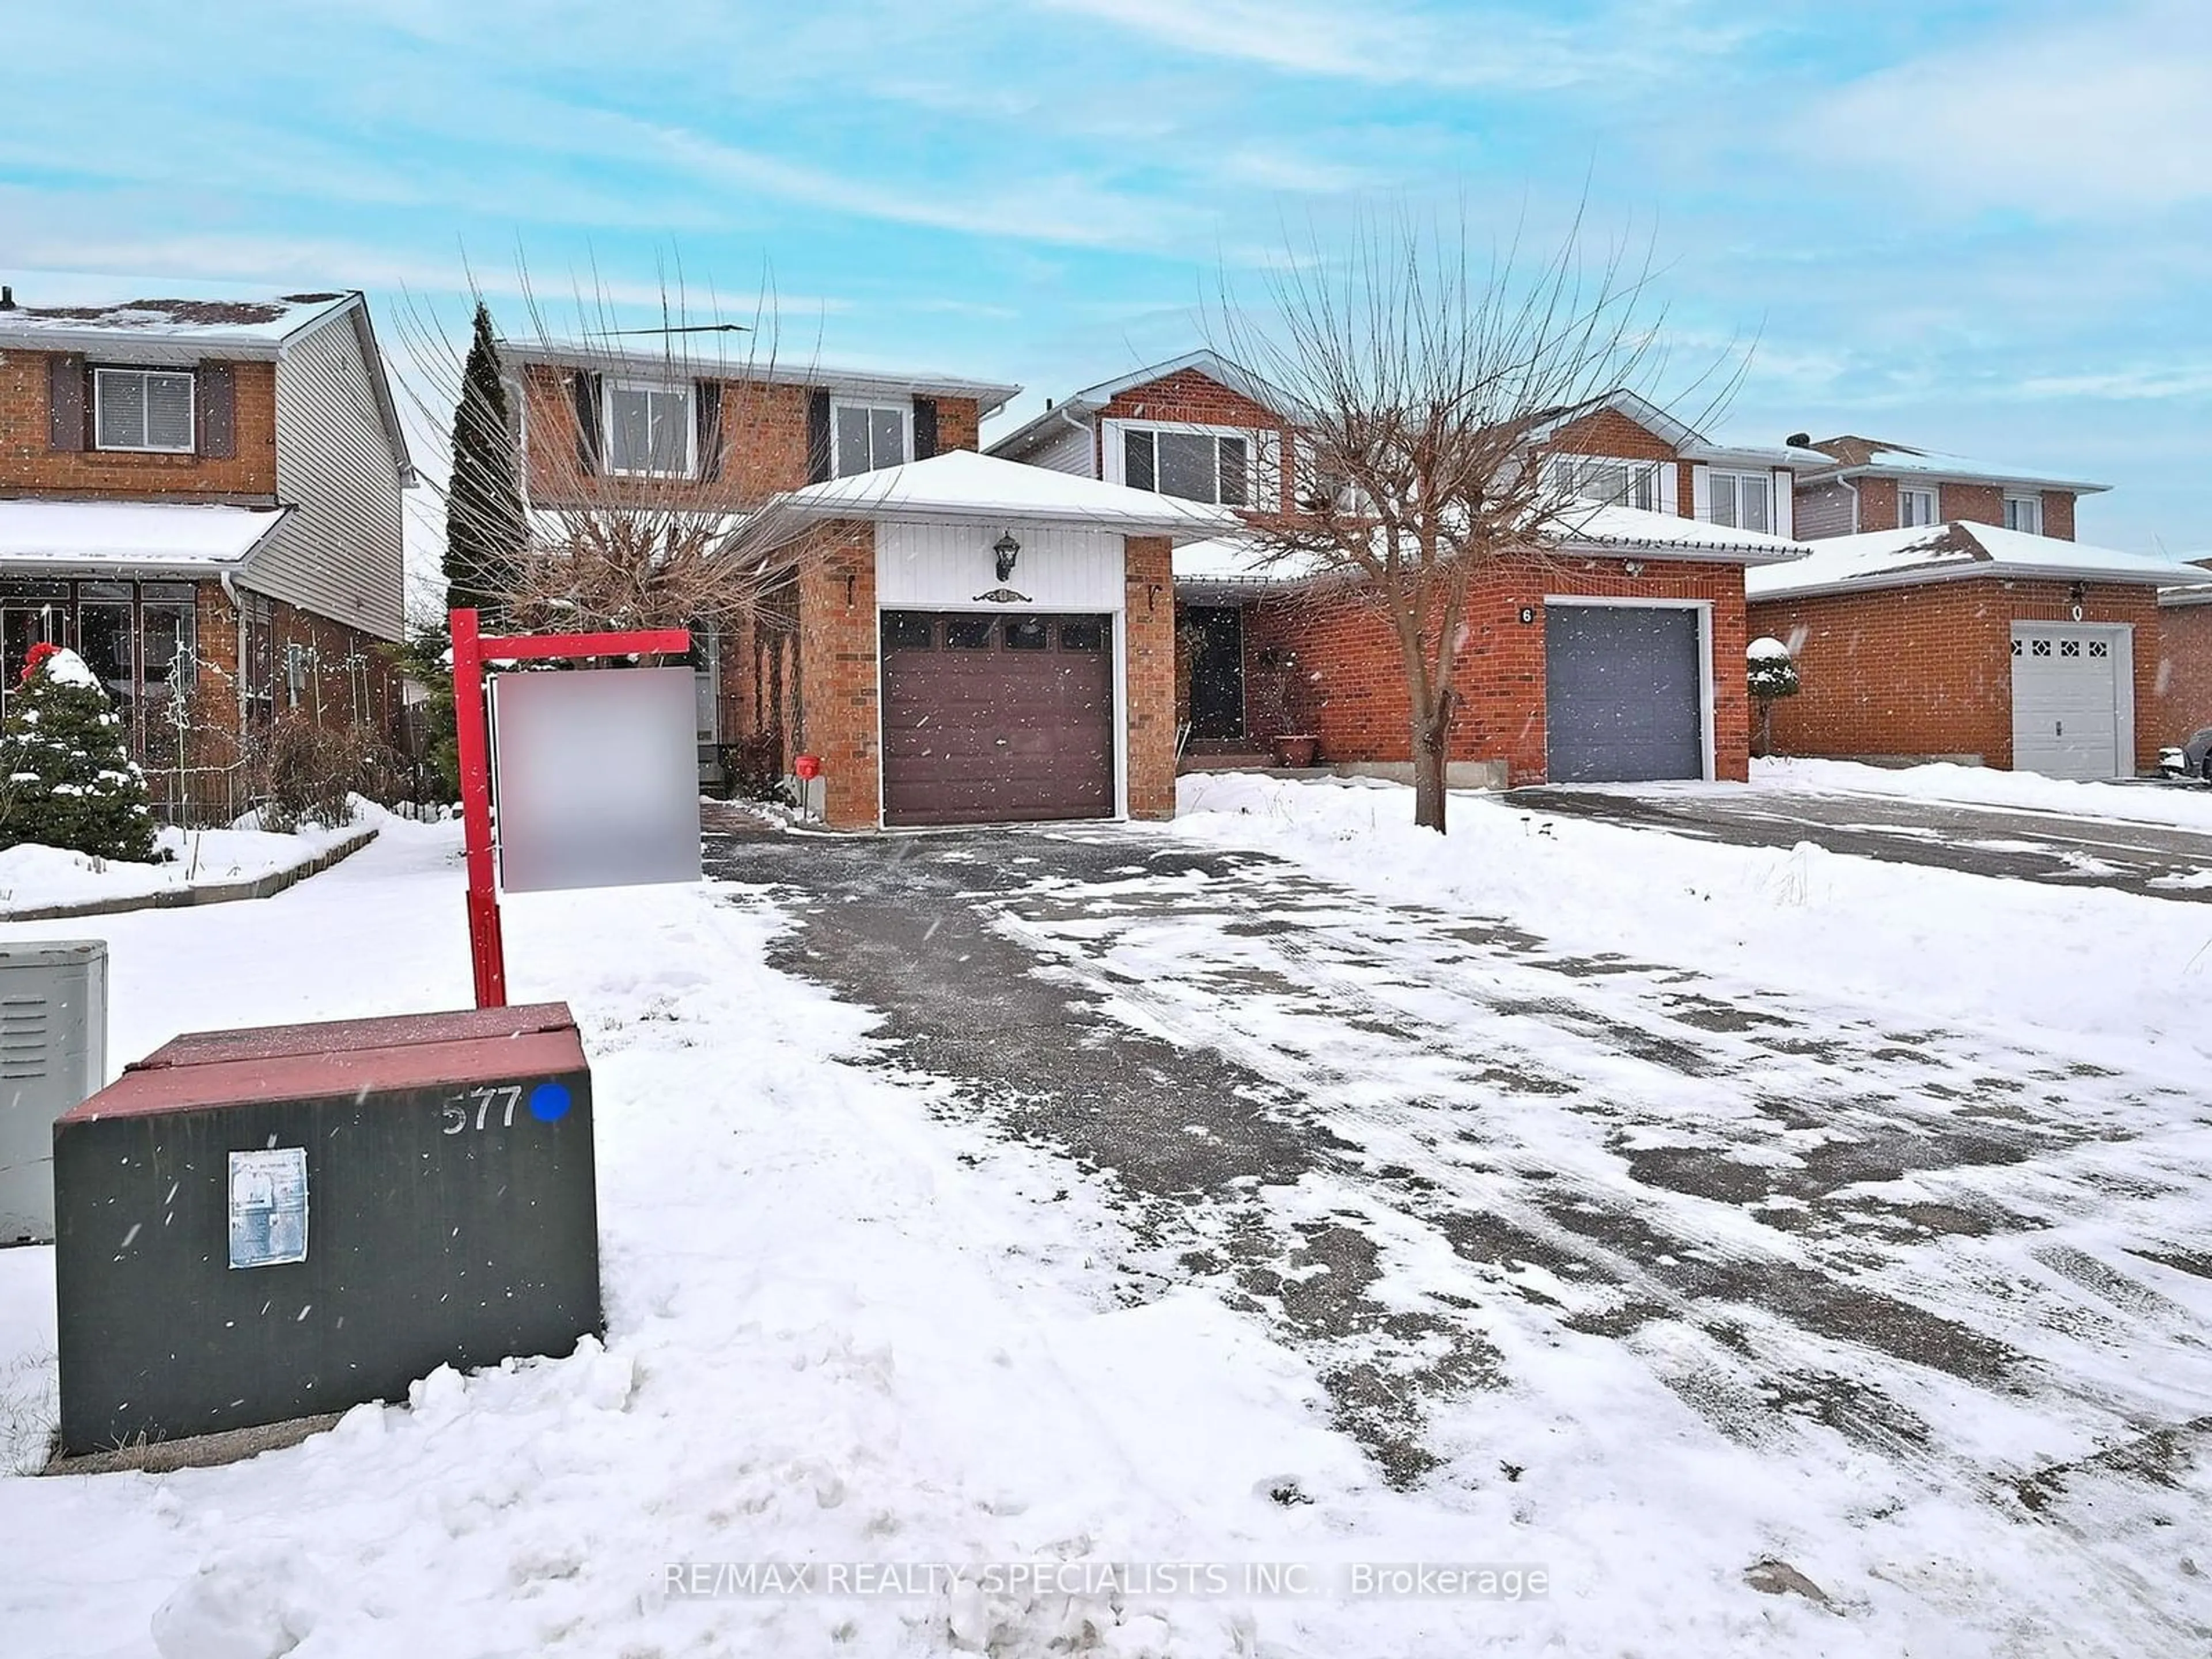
(909,630)
(1199,466)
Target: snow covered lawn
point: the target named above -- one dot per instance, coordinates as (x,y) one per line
(2188,806)
(33,877)
(1723,1207)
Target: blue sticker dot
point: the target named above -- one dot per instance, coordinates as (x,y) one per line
(549,1102)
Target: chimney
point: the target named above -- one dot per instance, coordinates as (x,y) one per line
(1799,440)
(7,297)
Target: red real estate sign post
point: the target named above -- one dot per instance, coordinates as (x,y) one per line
(472,651)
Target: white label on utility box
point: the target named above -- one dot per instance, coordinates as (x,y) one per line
(269,1206)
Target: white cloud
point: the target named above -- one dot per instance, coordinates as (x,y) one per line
(1356,39)
(2081,119)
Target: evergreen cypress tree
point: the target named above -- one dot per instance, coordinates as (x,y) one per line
(69,779)
(484,533)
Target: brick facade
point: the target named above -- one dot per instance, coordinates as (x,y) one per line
(1927,669)
(2185,677)
(837,712)
(1332,666)
(29,464)
(1189,396)
(765,444)
(1148,575)
(1825,509)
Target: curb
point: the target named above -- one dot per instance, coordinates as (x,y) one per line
(224,892)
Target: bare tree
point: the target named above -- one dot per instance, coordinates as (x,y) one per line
(1422,382)
(638,516)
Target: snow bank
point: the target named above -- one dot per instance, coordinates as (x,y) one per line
(2188,807)
(2108,969)
(33,876)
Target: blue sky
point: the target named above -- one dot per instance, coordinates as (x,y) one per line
(1976,226)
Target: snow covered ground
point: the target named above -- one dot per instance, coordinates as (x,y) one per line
(849,1323)
(2189,806)
(32,877)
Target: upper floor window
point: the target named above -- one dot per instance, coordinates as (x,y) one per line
(649,428)
(1915,507)
(1608,479)
(2023,514)
(871,435)
(1214,467)
(1745,500)
(142,409)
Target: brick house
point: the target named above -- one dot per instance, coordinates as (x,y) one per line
(1619,654)
(203,499)
(2185,688)
(1971,643)
(1852,486)
(962,639)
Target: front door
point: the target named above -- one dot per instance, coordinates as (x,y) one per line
(1216,671)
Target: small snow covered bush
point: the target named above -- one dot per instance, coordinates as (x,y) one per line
(69,778)
(1771,676)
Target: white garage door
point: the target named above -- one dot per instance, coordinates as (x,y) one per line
(2072,699)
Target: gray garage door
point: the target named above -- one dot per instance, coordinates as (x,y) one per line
(1623,696)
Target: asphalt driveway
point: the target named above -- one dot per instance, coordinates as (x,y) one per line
(2154,860)
(1436,1155)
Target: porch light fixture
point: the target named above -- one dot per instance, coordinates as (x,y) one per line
(1633,567)
(1008,549)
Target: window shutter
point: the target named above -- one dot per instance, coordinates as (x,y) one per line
(707,408)
(586,386)
(1670,488)
(67,405)
(925,427)
(216,419)
(1701,493)
(1785,516)
(817,437)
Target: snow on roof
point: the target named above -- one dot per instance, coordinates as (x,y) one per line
(1850,455)
(1889,558)
(1593,523)
(963,486)
(168,535)
(1080,405)
(1615,531)
(200,323)
(2192,592)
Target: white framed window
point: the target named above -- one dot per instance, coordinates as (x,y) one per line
(1196,463)
(1915,507)
(649,429)
(871,435)
(1608,478)
(1743,499)
(149,410)
(2023,514)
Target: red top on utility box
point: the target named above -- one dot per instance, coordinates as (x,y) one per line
(355,1057)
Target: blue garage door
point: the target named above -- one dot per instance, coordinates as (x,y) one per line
(1623,696)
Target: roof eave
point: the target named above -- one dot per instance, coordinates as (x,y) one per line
(1682,552)
(2014,479)
(1963,570)
(1181,530)
(990,396)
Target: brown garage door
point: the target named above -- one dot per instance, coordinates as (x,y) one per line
(997,719)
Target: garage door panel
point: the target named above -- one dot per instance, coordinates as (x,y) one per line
(2068,693)
(1624,693)
(982,733)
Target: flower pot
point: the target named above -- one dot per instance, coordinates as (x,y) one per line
(1296,750)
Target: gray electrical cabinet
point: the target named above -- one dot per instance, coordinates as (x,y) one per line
(54,1054)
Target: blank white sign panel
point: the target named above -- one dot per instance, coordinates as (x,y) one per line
(598,778)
